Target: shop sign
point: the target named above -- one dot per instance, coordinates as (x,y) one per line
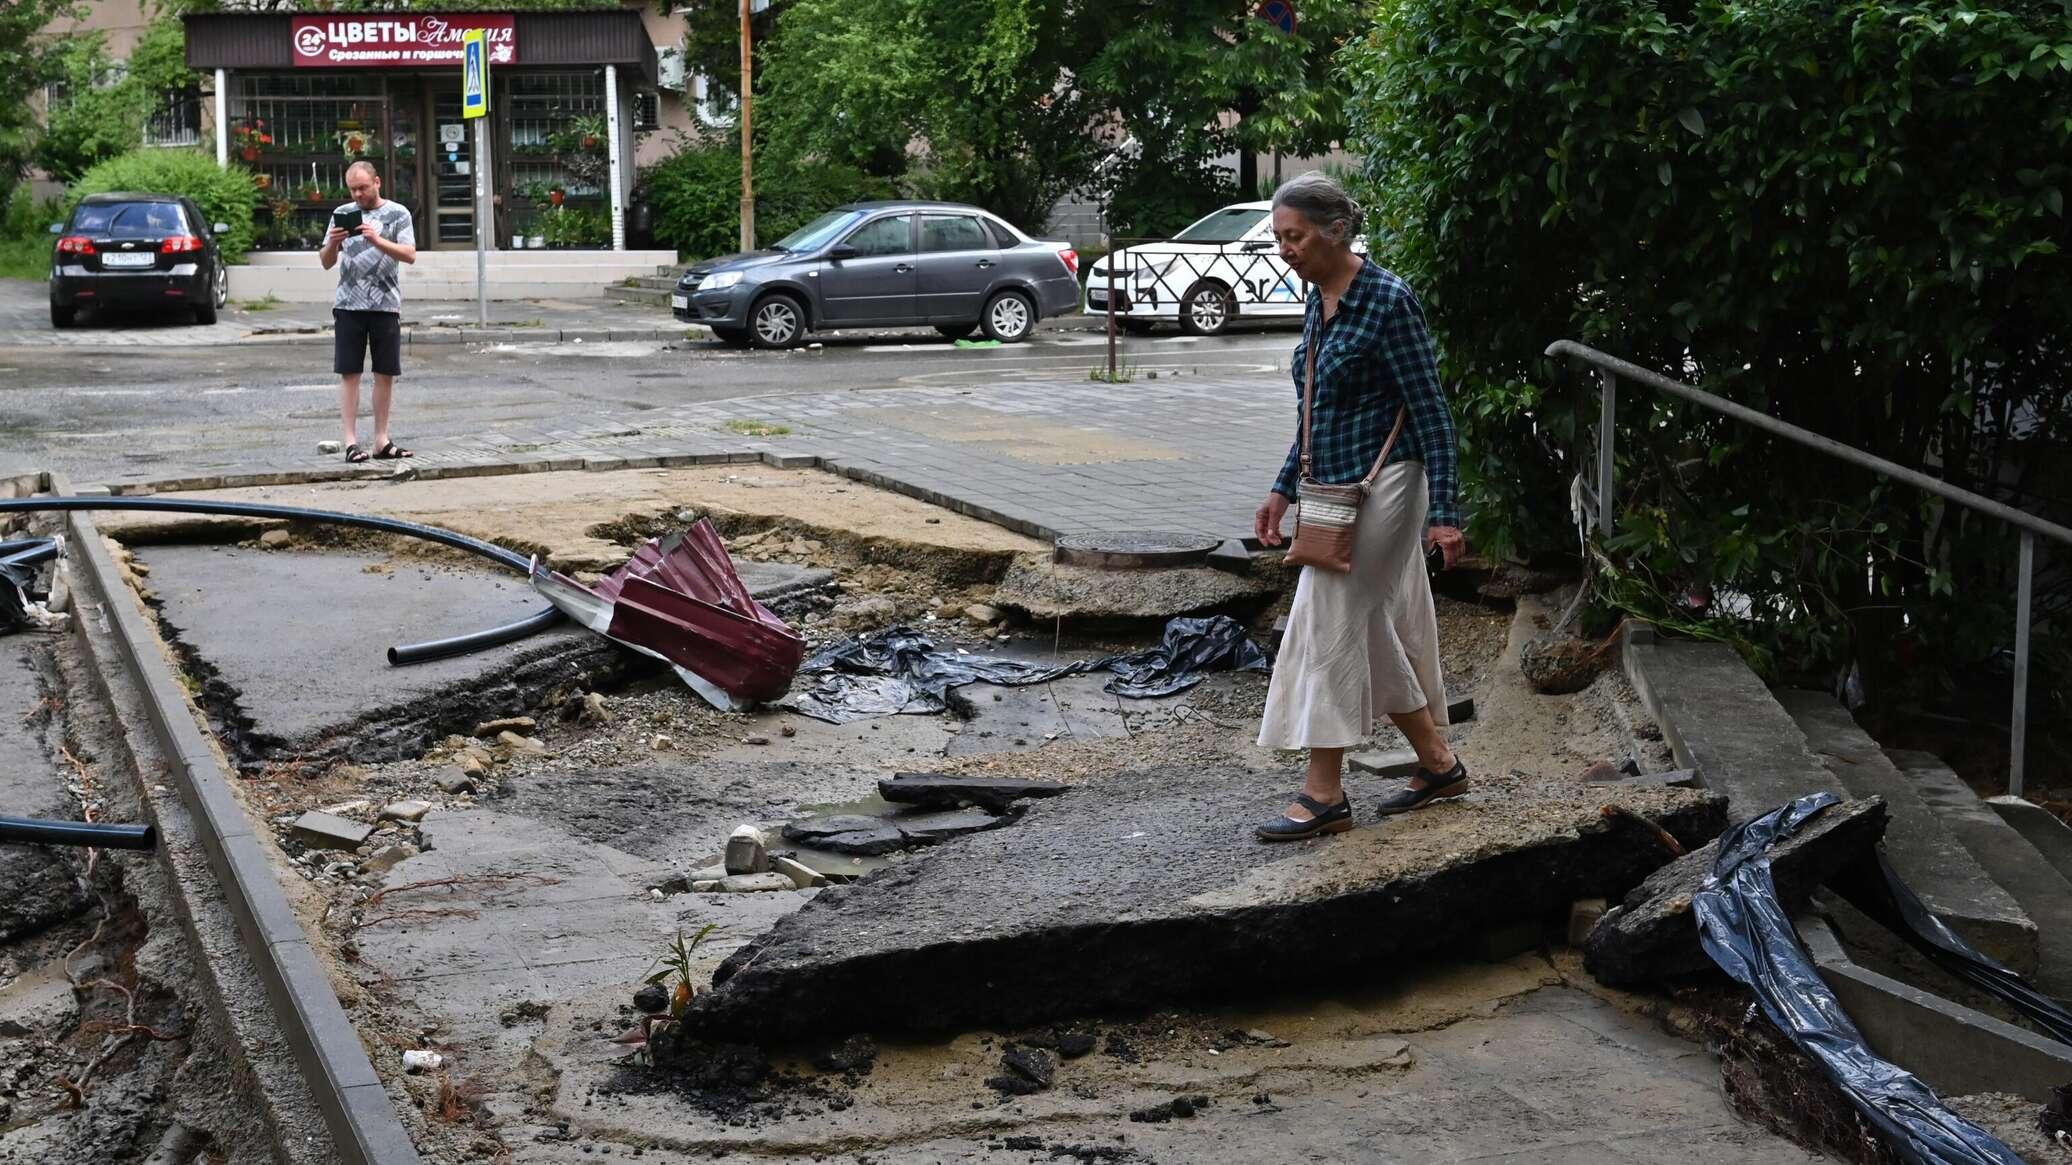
(398,40)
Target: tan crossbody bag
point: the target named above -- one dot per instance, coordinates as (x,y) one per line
(1327,514)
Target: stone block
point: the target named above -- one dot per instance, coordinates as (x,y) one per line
(755,883)
(801,875)
(1401,763)
(405,810)
(747,852)
(319,830)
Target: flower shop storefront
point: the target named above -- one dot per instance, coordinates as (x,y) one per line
(299,98)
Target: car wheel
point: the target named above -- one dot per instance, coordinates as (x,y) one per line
(204,313)
(1137,327)
(1009,317)
(956,331)
(221,290)
(731,337)
(62,317)
(776,321)
(1206,309)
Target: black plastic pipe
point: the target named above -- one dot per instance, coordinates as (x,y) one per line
(401,655)
(44,550)
(36,831)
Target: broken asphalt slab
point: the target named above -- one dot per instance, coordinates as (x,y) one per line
(291,647)
(937,791)
(1653,935)
(1147,889)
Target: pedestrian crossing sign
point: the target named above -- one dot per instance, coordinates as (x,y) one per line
(474,74)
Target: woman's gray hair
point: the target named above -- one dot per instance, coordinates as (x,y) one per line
(1319,198)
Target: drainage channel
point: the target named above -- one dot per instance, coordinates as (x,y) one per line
(354,1107)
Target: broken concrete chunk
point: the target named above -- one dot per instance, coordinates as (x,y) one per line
(1679,779)
(1652,934)
(930,828)
(328,448)
(491,728)
(847,833)
(405,810)
(651,999)
(937,791)
(517,743)
(462,781)
(1231,557)
(802,876)
(982,614)
(320,830)
(1583,914)
(709,873)
(754,883)
(593,710)
(1460,709)
(388,857)
(1142,891)
(1396,763)
(705,885)
(747,852)
(275,539)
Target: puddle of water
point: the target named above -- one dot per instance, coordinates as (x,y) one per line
(871,806)
(839,866)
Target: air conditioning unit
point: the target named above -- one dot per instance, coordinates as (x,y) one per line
(669,67)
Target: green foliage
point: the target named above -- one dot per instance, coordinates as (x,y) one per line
(106,105)
(224,193)
(675,964)
(695,194)
(25,65)
(1159,197)
(1848,216)
(25,238)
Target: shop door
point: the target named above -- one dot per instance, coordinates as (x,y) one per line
(451,170)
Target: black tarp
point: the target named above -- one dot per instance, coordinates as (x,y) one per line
(901,670)
(1745,929)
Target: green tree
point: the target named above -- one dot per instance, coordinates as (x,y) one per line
(25,66)
(106,103)
(1849,216)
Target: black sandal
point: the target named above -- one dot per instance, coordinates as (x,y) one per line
(1325,819)
(392,452)
(355,454)
(1452,783)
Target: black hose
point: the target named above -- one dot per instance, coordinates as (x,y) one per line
(17,545)
(405,654)
(36,831)
(44,550)
(400,655)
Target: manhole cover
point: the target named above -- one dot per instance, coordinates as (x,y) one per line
(1134,550)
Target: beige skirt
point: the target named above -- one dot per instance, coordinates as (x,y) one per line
(1365,644)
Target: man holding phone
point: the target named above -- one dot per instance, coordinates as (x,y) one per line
(368,239)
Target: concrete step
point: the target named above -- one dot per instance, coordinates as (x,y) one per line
(1720,719)
(645,296)
(2040,828)
(2038,887)
(1921,844)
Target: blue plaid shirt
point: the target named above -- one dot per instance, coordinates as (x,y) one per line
(1376,356)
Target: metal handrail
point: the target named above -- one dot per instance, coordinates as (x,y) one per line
(1610,368)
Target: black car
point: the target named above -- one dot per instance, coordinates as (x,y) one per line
(136,250)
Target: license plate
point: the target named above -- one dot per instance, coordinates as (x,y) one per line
(680,302)
(118,259)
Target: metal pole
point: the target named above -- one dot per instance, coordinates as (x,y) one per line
(2018,735)
(1111,257)
(618,203)
(482,227)
(222,120)
(1609,399)
(747,149)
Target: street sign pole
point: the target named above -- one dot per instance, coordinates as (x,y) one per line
(747,141)
(474,104)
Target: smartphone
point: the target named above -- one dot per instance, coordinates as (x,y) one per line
(346,220)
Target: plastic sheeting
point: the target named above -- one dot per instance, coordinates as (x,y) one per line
(902,671)
(18,559)
(1746,931)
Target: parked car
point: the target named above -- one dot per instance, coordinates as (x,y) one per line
(1225,266)
(884,264)
(137,250)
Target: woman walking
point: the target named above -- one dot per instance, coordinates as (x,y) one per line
(1363,643)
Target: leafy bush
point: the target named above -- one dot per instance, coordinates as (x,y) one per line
(695,194)
(25,235)
(106,105)
(1156,198)
(1849,216)
(224,193)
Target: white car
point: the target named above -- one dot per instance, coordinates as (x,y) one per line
(1221,268)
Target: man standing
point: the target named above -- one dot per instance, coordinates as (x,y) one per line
(368,308)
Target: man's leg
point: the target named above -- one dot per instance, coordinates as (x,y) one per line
(349,405)
(384,392)
(1432,753)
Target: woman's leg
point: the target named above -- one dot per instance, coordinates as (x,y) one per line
(1324,782)
(1432,753)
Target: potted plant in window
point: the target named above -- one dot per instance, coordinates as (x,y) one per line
(251,137)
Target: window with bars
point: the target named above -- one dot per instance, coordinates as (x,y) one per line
(177,120)
(647,111)
(557,123)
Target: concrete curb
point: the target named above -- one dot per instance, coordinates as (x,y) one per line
(440,336)
(535,463)
(349,1094)
(1955,1049)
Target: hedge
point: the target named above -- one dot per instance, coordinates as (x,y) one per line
(695,195)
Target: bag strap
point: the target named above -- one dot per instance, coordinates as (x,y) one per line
(1309,398)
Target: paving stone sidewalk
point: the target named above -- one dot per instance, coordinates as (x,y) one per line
(1046,457)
